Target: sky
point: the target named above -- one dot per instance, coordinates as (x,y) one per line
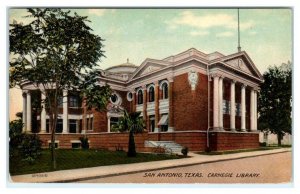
(137,34)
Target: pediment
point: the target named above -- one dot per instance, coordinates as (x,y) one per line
(147,68)
(243,63)
(240,64)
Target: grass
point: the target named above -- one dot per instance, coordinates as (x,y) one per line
(72,159)
(239,151)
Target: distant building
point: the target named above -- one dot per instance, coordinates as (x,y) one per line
(183,98)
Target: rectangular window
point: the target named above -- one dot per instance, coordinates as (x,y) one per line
(87,123)
(226,107)
(152,123)
(164,122)
(59,126)
(238,109)
(73,102)
(60,102)
(91,123)
(72,125)
(113,121)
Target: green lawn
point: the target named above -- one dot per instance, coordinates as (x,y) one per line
(72,159)
(239,151)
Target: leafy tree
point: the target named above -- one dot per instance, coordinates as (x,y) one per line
(133,123)
(57,51)
(274,102)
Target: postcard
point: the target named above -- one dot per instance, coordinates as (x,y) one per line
(144,95)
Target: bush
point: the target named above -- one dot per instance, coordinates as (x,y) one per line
(30,147)
(263,144)
(185,151)
(84,142)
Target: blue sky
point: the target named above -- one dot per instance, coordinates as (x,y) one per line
(138,34)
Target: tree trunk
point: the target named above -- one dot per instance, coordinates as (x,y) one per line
(131,145)
(279,135)
(53,128)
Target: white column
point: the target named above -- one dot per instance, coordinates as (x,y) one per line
(65,111)
(243,108)
(24,112)
(28,111)
(232,105)
(108,124)
(252,118)
(255,110)
(43,113)
(221,103)
(215,102)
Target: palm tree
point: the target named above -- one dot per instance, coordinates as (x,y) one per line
(133,123)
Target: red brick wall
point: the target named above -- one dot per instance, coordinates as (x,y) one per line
(100,121)
(98,141)
(125,102)
(195,141)
(231,141)
(190,106)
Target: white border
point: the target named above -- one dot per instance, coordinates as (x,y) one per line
(224,189)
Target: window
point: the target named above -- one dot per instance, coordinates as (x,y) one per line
(114,98)
(129,96)
(152,123)
(151,94)
(113,121)
(89,123)
(76,145)
(73,101)
(59,126)
(226,107)
(72,126)
(60,101)
(165,91)
(140,97)
(238,109)
(48,126)
(164,123)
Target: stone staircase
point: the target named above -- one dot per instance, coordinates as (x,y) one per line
(170,147)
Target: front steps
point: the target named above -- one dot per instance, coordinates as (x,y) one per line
(170,147)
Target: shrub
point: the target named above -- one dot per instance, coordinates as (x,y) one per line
(263,144)
(84,142)
(30,147)
(185,151)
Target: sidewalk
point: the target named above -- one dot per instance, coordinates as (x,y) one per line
(107,171)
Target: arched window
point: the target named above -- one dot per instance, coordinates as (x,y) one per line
(165,91)
(140,97)
(151,94)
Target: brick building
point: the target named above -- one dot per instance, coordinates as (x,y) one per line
(192,98)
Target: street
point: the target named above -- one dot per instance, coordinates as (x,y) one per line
(273,168)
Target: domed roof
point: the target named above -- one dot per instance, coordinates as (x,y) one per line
(123,68)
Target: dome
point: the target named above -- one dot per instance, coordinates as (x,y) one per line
(122,68)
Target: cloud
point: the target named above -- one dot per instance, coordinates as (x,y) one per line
(199,33)
(225,34)
(188,18)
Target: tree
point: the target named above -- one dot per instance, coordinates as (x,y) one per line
(274,102)
(57,51)
(133,123)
